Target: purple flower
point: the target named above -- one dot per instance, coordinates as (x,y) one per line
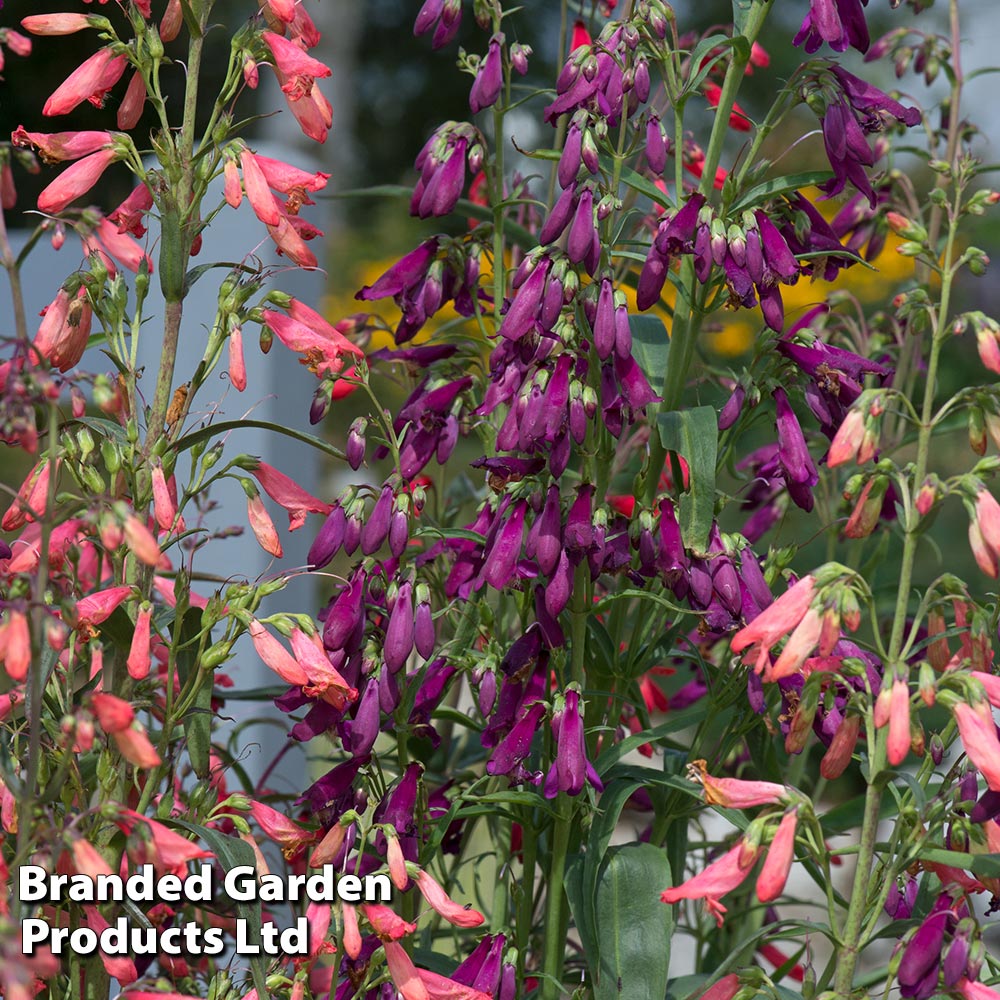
(675,235)
(571,769)
(921,962)
(793,455)
(900,902)
(399,634)
(482,969)
(839,23)
(446,14)
(510,752)
(489,81)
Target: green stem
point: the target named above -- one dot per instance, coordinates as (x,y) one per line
(555,942)
(10,263)
(858,905)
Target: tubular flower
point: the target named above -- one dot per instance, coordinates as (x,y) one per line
(276,656)
(979,737)
(733,793)
(31,499)
(286,492)
(839,23)
(56,24)
(775,621)
(716,880)
(778,860)
(443,904)
(75,181)
(65,329)
(57,147)
(90,81)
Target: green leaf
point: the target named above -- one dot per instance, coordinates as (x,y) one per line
(633,926)
(741,11)
(581,905)
(694,434)
(645,187)
(235,853)
(987,865)
(198,722)
(780,185)
(650,346)
(209,431)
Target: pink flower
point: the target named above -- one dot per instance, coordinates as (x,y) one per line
(404,972)
(121,967)
(95,608)
(289,836)
(898,745)
(325,681)
(324,348)
(258,193)
(56,147)
(848,440)
(352,935)
(313,112)
(800,645)
(232,188)
(90,81)
(443,988)
(725,989)
(31,499)
(387,924)
(775,621)
(988,344)
(134,745)
(65,329)
(237,362)
(140,541)
(715,881)
(443,904)
(276,656)
(263,527)
(138,657)
(173,18)
(284,491)
(327,849)
(976,991)
(397,863)
(129,214)
(298,68)
(979,737)
(15,645)
(130,109)
(75,181)
(733,793)
(55,24)
(778,860)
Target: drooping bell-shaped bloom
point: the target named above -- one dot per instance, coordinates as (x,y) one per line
(90,81)
(275,655)
(801,474)
(286,492)
(735,793)
(15,644)
(95,608)
(714,881)
(775,621)
(571,769)
(778,859)
(56,24)
(65,329)
(489,80)
(299,69)
(839,23)
(75,180)
(57,147)
(444,905)
(139,650)
(979,737)
(262,526)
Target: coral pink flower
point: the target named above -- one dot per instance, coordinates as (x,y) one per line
(988,344)
(388,925)
(138,656)
(129,214)
(90,81)
(95,608)
(725,989)
(325,681)
(352,935)
(289,836)
(733,793)
(15,645)
(87,859)
(326,850)
(31,499)
(715,881)
(109,241)
(397,863)
(134,745)
(976,991)
(988,518)
(237,362)
(800,645)
(284,491)
(291,180)
(141,542)
(898,745)
(258,193)
(443,988)
(404,972)
(130,109)
(314,113)
(65,329)
(778,860)
(979,737)
(55,24)
(113,713)
(443,904)
(848,440)
(232,188)
(276,656)
(985,556)
(119,966)
(775,621)
(324,347)
(164,505)
(57,147)
(163,849)
(75,181)
(290,244)
(263,527)
(298,68)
